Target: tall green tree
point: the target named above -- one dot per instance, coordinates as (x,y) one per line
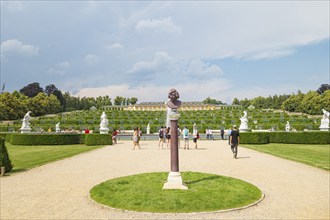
(31,90)
(323,88)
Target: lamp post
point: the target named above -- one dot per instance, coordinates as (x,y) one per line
(174,179)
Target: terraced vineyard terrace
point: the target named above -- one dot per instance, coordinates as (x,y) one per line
(204,119)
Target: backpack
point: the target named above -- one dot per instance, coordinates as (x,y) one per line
(186,132)
(161,133)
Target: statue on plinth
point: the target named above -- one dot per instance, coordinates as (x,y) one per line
(174,179)
(104,124)
(57,127)
(26,123)
(244,123)
(325,121)
(148,128)
(287,126)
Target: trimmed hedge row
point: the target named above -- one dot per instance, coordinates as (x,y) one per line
(59,139)
(47,139)
(317,137)
(98,139)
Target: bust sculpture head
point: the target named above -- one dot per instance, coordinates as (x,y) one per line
(173,95)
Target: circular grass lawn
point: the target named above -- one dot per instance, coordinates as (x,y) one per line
(207,192)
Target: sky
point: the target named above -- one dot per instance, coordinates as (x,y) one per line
(216,49)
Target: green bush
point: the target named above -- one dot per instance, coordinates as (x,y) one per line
(46,139)
(254,137)
(311,137)
(4,157)
(316,137)
(98,139)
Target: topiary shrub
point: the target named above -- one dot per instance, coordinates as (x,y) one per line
(254,137)
(46,139)
(311,137)
(98,139)
(4,157)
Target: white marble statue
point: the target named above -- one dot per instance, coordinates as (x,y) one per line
(26,120)
(104,124)
(287,126)
(148,129)
(26,123)
(325,121)
(104,120)
(57,127)
(244,122)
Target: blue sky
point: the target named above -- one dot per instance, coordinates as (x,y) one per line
(217,49)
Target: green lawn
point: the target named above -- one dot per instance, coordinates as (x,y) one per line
(27,157)
(206,192)
(314,155)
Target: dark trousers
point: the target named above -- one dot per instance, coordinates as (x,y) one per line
(234,149)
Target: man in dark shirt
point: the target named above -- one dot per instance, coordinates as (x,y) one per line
(234,141)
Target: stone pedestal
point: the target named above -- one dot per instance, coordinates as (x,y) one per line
(174,180)
(26,130)
(324,128)
(104,130)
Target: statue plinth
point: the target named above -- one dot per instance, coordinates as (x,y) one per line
(26,130)
(174,181)
(104,130)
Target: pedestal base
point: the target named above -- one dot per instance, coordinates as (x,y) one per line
(104,130)
(25,130)
(174,181)
(324,129)
(244,130)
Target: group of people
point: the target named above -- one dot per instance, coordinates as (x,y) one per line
(165,135)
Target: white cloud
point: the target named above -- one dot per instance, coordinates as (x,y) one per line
(200,69)
(91,59)
(13,6)
(189,91)
(271,54)
(15,47)
(59,68)
(115,46)
(162,25)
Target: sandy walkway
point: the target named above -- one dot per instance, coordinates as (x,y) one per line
(60,190)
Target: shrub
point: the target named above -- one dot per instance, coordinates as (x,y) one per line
(254,137)
(317,137)
(311,137)
(46,139)
(98,139)
(4,157)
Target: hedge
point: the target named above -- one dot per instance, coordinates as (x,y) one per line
(316,137)
(46,139)
(4,157)
(98,139)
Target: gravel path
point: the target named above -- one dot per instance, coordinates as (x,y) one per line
(60,190)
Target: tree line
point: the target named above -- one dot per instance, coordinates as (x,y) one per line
(51,100)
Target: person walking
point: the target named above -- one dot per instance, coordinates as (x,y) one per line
(195,136)
(114,136)
(234,141)
(185,135)
(228,134)
(222,132)
(136,138)
(168,137)
(161,137)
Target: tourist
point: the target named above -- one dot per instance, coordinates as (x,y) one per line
(179,134)
(185,135)
(228,134)
(161,137)
(222,132)
(195,136)
(136,138)
(207,134)
(211,135)
(168,136)
(114,136)
(234,141)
